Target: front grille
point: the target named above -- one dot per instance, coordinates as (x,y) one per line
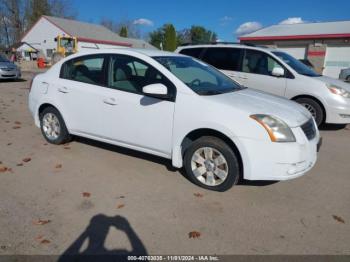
(309,129)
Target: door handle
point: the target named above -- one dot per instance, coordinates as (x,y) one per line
(232,75)
(63,89)
(110,101)
(243,77)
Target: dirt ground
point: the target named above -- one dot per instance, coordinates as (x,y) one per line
(89,197)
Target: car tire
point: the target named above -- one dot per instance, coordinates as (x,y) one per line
(348,79)
(313,107)
(216,170)
(53,127)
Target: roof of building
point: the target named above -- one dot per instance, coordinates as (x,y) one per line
(94,33)
(318,30)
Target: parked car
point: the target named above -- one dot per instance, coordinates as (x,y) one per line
(307,63)
(345,75)
(176,107)
(277,72)
(8,70)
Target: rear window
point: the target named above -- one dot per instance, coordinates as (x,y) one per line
(194,52)
(223,58)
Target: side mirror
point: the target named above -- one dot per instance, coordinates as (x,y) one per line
(156,90)
(277,71)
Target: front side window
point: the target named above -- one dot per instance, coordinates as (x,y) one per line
(131,74)
(86,69)
(257,62)
(223,58)
(200,77)
(298,66)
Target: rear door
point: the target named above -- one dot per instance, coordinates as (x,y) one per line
(80,91)
(257,69)
(227,60)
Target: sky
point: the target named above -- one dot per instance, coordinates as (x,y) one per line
(228,18)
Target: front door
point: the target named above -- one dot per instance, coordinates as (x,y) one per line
(256,73)
(132,118)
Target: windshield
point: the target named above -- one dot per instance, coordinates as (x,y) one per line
(200,77)
(298,66)
(3,59)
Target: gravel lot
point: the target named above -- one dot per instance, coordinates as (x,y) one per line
(53,198)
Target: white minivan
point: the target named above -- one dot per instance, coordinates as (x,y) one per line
(276,72)
(179,108)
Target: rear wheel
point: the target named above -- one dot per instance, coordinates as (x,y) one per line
(313,107)
(348,79)
(210,163)
(53,127)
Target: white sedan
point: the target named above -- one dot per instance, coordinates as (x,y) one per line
(175,107)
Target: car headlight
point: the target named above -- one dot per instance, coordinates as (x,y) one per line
(278,130)
(338,91)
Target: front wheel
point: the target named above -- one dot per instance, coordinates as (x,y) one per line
(313,107)
(210,163)
(53,127)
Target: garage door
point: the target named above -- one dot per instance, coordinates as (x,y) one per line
(337,58)
(297,52)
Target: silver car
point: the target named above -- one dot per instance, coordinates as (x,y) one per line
(345,74)
(8,70)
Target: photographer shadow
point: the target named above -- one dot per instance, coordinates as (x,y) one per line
(96,234)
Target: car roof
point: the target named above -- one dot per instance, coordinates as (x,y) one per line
(147,52)
(244,46)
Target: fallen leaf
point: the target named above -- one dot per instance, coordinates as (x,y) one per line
(20,164)
(39,237)
(16,127)
(3,169)
(120,206)
(7,121)
(194,234)
(9,144)
(45,144)
(66,147)
(41,222)
(198,195)
(18,123)
(10,170)
(58,166)
(26,159)
(339,219)
(45,241)
(86,194)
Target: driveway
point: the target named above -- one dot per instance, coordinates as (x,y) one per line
(54,198)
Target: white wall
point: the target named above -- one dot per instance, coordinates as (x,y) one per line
(42,35)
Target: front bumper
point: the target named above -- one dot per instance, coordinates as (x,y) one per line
(338,111)
(280,161)
(10,74)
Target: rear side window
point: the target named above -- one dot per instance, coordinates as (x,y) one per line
(194,52)
(223,58)
(86,69)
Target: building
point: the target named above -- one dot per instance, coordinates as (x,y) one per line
(326,45)
(27,52)
(42,34)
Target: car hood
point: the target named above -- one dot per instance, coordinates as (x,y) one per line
(257,102)
(336,82)
(7,65)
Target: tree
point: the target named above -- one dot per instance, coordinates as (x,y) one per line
(12,20)
(36,9)
(170,42)
(156,38)
(123,31)
(167,37)
(116,27)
